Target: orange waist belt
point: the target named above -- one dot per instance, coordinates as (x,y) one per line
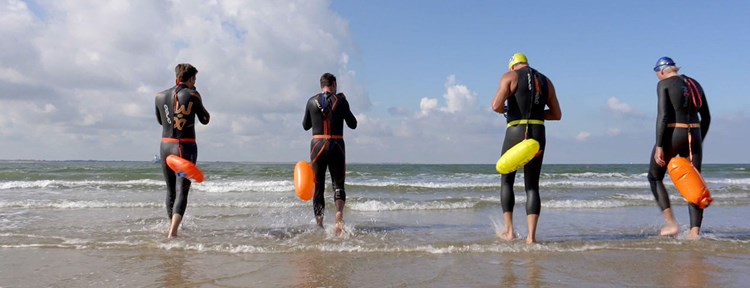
(328,136)
(174,140)
(684,125)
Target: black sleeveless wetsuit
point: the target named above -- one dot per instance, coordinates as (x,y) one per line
(178,138)
(521,105)
(326,113)
(677,106)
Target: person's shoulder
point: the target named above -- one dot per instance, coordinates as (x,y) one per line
(313,97)
(164,93)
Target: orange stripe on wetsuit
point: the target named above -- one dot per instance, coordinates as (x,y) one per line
(327,129)
(174,140)
(178,141)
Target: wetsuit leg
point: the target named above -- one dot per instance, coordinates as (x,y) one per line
(182,187)
(533,170)
(319,161)
(177,187)
(656,181)
(169,175)
(337,167)
(696,213)
(513,135)
(656,173)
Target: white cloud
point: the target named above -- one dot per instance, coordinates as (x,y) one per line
(614,131)
(92,67)
(616,105)
(620,108)
(458,98)
(426,105)
(456,130)
(583,136)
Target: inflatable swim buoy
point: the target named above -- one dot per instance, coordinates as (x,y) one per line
(304,180)
(184,168)
(689,182)
(517,156)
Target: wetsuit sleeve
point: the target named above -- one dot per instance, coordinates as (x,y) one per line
(307,121)
(202,113)
(158,116)
(351,121)
(661,115)
(705,114)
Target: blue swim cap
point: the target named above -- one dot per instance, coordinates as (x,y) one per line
(662,63)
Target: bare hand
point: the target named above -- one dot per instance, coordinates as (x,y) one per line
(659,156)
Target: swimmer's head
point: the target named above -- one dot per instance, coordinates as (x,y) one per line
(184,72)
(664,63)
(517,58)
(328,83)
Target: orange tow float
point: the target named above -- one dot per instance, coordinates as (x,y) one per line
(182,166)
(304,180)
(689,182)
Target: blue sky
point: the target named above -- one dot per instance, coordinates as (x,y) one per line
(420,75)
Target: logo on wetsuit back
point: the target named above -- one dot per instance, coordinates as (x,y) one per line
(179,113)
(166,112)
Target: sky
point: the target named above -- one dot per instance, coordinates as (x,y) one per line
(78,78)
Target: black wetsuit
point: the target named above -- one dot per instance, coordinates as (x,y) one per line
(325,113)
(178,138)
(521,105)
(677,105)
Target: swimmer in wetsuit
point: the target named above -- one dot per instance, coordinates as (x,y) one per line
(679,131)
(176,110)
(326,113)
(527,92)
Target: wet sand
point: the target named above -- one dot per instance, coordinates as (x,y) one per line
(678,266)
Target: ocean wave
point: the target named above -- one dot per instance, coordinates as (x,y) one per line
(246,186)
(424,184)
(375,205)
(590,204)
(68,204)
(58,184)
(30,204)
(594,175)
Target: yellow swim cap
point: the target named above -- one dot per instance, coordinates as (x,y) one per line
(517,58)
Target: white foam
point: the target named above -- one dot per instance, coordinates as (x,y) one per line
(78,204)
(76,184)
(425,184)
(374,205)
(245,186)
(595,204)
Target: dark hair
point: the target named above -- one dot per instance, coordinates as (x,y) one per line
(185,71)
(327,80)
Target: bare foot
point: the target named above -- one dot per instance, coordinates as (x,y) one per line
(339,223)
(694,234)
(507,235)
(530,240)
(670,229)
(176,220)
(319,220)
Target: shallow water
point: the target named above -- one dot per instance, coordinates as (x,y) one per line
(442,213)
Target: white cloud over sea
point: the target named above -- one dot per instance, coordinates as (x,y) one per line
(77,80)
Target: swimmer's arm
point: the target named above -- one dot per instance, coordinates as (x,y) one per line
(158,115)
(307,121)
(661,115)
(203,116)
(705,116)
(351,121)
(554,112)
(503,92)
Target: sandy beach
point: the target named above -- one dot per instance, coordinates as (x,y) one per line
(679,264)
